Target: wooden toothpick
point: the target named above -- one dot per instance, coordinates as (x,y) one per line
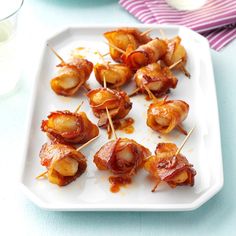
(150,94)
(106,54)
(86,86)
(42,174)
(78,108)
(163,35)
(146,32)
(175,64)
(156,185)
(185,140)
(111,123)
(86,144)
(185,70)
(182,130)
(104,82)
(115,47)
(134,92)
(57,55)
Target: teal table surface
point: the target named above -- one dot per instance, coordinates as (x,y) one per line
(40,18)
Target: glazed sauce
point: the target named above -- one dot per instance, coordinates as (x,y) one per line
(117,182)
(147,98)
(109,132)
(80,48)
(126,125)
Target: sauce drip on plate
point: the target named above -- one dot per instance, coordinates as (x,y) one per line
(118,181)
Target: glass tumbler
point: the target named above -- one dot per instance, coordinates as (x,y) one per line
(9,64)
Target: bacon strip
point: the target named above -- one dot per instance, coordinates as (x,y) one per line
(175,52)
(127,39)
(174,170)
(158,79)
(121,156)
(71,76)
(164,116)
(51,154)
(146,54)
(69,128)
(117,102)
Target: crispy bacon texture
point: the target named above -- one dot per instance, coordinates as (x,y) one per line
(165,115)
(71,76)
(69,128)
(127,39)
(115,75)
(175,52)
(122,156)
(117,102)
(165,166)
(158,79)
(146,54)
(63,162)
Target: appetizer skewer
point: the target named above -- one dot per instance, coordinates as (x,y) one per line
(122,157)
(146,54)
(117,102)
(156,78)
(64,163)
(125,39)
(115,75)
(69,127)
(71,75)
(175,52)
(164,116)
(168,165)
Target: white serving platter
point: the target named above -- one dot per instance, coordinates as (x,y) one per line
(91,191)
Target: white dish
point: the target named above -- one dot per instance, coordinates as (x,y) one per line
(91,191)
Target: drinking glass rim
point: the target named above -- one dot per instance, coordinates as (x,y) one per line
(14,12)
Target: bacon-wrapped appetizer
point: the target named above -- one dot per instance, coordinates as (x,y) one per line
(125,39)
(176,52)
(115,75)
(166,166)
(69,128)
(117,102)
(63,162)
(121,156)
(156,78)
(71,76)
(146,54)
(165,115)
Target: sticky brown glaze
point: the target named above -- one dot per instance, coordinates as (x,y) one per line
(165,166)
(71,76)
(164,116)
(119,181)
(63,162)
(69,128)
(125,125)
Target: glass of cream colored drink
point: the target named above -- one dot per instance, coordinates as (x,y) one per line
(9,64)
